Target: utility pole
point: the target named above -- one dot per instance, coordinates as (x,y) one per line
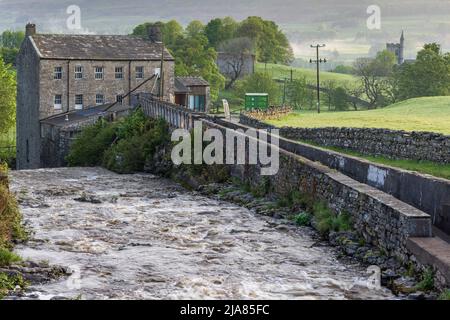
(318,62)
(161,73)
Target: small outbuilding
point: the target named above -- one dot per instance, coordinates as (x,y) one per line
(193,93)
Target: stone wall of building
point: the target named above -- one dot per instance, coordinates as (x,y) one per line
(89,87)
(377,142)
(27,118)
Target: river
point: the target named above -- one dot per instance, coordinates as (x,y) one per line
(143,237)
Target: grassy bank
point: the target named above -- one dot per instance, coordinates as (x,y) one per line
(421,114)
(10,231)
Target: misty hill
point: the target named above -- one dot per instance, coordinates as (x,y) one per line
(342,24)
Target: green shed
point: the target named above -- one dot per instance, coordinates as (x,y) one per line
(256,101)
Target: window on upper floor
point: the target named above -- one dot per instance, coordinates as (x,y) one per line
(57,103)
(78,101)
(119,98)
(78,72)
(99,99)
(139,72)
(57,73)
(119,72)
(99,73)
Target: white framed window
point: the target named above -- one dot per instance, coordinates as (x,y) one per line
(157,72)
(99,99)
(119,73)
(98,71)
(57,73)
(119,98)
(78,101)
(57,102)
(139,72)
(78,72)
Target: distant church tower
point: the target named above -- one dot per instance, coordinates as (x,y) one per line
(398,49)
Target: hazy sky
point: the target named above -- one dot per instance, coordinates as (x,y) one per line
(342,24)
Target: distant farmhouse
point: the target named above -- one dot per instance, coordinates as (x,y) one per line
(64,76)
(398,49)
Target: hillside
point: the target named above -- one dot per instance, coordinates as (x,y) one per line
(420,114)
(281,71)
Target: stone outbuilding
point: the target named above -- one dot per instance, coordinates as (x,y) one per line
(192,92)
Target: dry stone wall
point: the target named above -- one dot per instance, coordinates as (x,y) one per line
(393,144)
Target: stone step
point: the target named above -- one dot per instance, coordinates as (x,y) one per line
(432,251)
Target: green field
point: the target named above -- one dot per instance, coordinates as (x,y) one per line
(278,71)
(421,114)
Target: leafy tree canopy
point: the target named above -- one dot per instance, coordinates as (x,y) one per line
(171,31)
(429,75)
(10,42)
(7,97)
(219,30)
(271,43)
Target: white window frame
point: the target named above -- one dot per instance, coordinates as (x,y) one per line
(99,73)
(118,74)
(57,102)
(99,99)
(78,106)
(78,71)
(57,73)
(157,72)
(139,74)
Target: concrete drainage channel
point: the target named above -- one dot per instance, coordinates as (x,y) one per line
(386,189)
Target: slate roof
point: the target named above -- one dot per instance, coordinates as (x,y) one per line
(79,115)
(97,47)
(192,81)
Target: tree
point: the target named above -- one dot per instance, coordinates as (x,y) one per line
(260,82)
(171,31)
(329,86)
(9,55)
(272,45)
(429,75)
(374,75)
(10,42)
(340,99)
(219,30)
(12,39)
(194,57)
(194,28)
(7,97)
(355,92)
(297,93)
(236,51)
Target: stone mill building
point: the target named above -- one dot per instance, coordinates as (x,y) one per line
(60,74)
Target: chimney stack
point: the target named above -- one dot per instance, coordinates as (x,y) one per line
(30,29)
(154,33)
